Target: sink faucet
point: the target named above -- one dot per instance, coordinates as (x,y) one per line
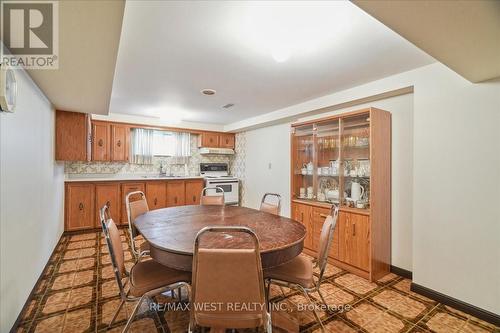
(162,172)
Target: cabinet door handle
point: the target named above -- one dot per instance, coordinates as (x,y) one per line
(119,143)
(100,143)
(80,206)
(108,204)
(301,216)
(156,201)
(354,229)
(323,215)
(194,198)
(133,189)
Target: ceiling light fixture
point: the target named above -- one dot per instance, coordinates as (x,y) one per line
(208,92)
(229,105)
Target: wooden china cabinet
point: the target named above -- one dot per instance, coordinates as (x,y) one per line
(346,160)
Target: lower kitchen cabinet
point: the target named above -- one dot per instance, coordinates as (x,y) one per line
(156,195)
(85,199)
(126,189)
(108,194)
(175,193)
(79,207)
(193,190)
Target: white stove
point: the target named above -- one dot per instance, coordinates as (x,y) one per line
(217,175)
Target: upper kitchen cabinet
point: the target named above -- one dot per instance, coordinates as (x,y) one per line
(120,137)
(209,140)
(226,140)
(73,136)
(100,141)
(216,140)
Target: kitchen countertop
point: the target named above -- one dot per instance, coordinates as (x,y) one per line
(123,177)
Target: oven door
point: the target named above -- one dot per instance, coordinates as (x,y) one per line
(230,187)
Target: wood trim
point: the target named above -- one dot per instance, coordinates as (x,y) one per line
(329,206)
(334,117)
(402,272)
(482,314)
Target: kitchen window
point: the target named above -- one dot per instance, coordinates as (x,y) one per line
(164,143)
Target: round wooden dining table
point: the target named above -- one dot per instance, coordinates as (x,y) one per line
(171,233)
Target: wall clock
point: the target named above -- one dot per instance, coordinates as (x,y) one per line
(8,89)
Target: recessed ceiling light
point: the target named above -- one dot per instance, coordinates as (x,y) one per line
(208,92)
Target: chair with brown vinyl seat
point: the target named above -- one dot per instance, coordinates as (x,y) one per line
(298,273)
(226,277)
(271,207)
(214,200)
(135,208)
(146,278)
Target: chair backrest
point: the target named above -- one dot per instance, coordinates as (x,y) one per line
(113,241)
(134,209)
(271,207)
(326,239)
(226,277)
(217,199)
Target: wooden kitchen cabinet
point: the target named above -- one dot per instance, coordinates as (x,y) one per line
(119,142)
(208,139)
(73,136)
(318,219)
(303,214)
(126,189)
(175,193)
(354,240)
(226,140)
(193,191)
(156,194)
(100,141)
(79,207)
(108,194)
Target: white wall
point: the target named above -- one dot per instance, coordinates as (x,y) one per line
(272,145)
(267,165)
(31,197)
(456,178)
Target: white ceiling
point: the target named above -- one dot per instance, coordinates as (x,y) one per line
(169,51)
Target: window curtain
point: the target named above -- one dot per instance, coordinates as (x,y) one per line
(182,150)
(141,148)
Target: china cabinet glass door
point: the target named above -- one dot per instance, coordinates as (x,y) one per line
(327,161)
(303,166)
(355,166)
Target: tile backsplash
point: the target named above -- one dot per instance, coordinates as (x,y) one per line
(129,168)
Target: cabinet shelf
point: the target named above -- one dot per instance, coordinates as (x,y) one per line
(351,140)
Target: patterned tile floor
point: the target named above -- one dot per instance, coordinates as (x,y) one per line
(78,293)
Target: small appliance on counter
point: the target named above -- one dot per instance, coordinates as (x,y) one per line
(217,175)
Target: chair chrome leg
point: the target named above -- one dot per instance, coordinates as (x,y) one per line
(314,308)
(116,313)
(157,315)
(268,290)
(131,319)
(323,300)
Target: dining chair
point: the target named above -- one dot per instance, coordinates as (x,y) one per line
(298,273)
(212,199)
(134,209)
(228,276)
(271,207)
(146,278)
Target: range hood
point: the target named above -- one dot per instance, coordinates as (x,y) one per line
(216,151)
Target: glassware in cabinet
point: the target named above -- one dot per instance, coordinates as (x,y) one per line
(355,157)
(303,162)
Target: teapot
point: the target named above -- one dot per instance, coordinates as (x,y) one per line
(357,191)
